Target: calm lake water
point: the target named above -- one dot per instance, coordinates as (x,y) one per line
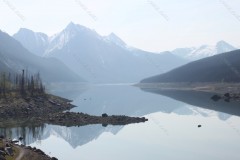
(171,133)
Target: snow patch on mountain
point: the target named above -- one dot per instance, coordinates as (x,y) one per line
(195,53)
(58,41)
(114,39)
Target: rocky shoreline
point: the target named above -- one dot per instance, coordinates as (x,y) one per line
(70,119)
(79,119)
(225,91)
(38,110)
(36,106)
(215,87)
(49,109)
(10,150)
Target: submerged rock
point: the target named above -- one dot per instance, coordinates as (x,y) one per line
(227,95)
(216,97)
(104,125)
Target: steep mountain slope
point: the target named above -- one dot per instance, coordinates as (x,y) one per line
(113,38)
(105,59)
(224,67)
(34,42)
(196,53)
(14,57)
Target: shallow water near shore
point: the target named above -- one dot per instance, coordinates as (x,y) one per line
(171,133)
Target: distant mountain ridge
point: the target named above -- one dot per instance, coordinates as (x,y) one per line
(14,58)
(34,42)
(223,67)
(196,53)
(100,59)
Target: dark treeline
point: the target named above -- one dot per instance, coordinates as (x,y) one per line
(22,83)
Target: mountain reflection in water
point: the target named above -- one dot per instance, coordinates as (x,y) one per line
(122,100)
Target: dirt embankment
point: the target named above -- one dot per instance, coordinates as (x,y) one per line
(11,151)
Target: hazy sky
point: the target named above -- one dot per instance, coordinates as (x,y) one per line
(152,25)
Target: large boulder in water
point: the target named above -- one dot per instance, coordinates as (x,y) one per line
(216,97)
(227,95)
(104,115)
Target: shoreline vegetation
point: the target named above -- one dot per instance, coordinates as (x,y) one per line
(220,91)
(23,84)
(23,101)
(215,88)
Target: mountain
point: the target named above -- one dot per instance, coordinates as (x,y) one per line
(14,58)
(113,38)
(196,53)
(104,59)
(223,67)
(34,42)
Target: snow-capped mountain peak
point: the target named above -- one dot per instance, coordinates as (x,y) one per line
(202,51)
(113,38)
(222,43)
(223,46)
(75,28)
(107,59)
(58,41)
(72,26)
(195,53)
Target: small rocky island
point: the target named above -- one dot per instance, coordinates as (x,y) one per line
(23,101)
